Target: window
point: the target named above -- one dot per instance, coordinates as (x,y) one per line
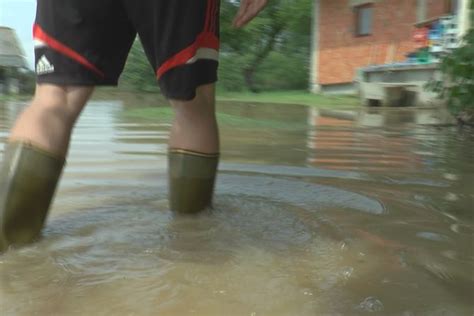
(364,17)
(451,6)
(420,10)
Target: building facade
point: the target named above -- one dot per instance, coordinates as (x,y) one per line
(350,34)
(12,60)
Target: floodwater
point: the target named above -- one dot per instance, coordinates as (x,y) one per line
(314,215)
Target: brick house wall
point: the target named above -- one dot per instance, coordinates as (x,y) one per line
(437,7)
(341,52)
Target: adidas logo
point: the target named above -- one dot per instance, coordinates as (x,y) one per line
(43,66)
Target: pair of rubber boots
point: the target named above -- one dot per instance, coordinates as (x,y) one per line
(29,177)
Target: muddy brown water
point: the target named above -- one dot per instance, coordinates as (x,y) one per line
(314,215)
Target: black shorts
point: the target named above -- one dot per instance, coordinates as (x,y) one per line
(86,42)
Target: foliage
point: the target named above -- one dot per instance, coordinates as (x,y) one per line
(27,81)
(272,52)
(457,86)
(301,97)
(138,73)
(291,75)
(165,115)
(281,34)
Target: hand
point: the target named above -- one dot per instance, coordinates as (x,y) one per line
(248,10)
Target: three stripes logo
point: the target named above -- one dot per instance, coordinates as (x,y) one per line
(43,66)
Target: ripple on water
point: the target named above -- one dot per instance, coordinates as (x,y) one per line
(300,193)
(262,250)
(244,252)
(266,249)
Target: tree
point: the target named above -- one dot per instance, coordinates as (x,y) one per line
(138,74)
(457,85)
(284,26)
(272,52)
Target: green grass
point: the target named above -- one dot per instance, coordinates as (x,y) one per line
(155,114)
(14,97)
(291,97)
(300,97)
(276,97)
(165,115)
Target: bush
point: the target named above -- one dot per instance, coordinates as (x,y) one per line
(230,73)
(457,86)
(138,73)
(284,72)
(277,72)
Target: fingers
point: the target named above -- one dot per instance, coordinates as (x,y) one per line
(244,4)
(248,10)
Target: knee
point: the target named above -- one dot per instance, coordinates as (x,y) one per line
(56,101)
(193,113)
(201,108)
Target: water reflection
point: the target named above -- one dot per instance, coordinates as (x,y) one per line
(315,214)
(338,144)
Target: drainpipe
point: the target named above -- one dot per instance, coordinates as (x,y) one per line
(314,62)
(421,7)
(464,13)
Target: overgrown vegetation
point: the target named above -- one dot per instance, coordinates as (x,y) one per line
(271,53)
(165,115)
(457,84)
(26,81)
(138,74)
(301,97)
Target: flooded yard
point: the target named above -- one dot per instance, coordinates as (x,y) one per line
(314,215)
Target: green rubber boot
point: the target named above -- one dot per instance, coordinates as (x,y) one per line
(28,179)
(191,180)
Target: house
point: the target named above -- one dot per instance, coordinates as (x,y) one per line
(350,34)
(12,61)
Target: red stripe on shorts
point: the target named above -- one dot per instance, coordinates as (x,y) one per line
(40,34)
(212,14)
(208,15)
(206,39)
(215,14)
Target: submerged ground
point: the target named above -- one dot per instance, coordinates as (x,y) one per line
(314,215)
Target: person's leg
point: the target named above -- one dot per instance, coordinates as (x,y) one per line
(182,47)
(48,121)
(33,161)
(86,47)
(194,152)
(195,125)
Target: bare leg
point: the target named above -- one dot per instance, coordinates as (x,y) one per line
(34,159)
(195,126)
(194,152)
(48,121)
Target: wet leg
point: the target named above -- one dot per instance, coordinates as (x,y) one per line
(33,161)
(194,152)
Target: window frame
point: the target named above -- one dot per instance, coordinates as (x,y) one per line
(421,10)
(358,16)
(451,7)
